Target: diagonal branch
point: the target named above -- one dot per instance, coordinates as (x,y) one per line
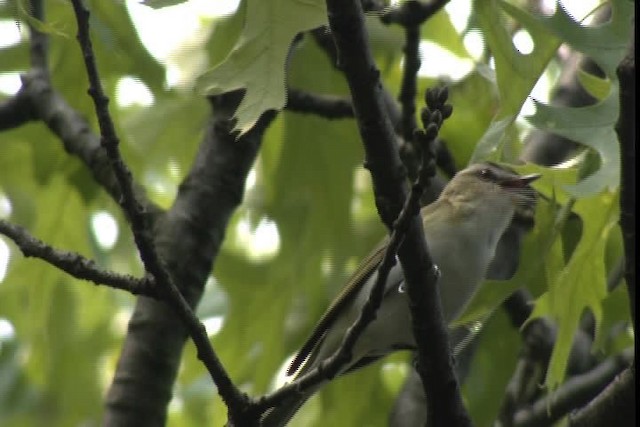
(43,102)
(574,393)
(332,366)
(139,225)
(434,358)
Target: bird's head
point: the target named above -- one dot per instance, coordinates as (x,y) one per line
(493,188)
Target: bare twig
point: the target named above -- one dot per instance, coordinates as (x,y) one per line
(409,87)
(329,107)
(152,262)
(75,264)
(332,366)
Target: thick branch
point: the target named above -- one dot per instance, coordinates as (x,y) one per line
(16,111)
(626,129)
(382,158)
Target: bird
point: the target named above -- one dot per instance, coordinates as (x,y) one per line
(462,228)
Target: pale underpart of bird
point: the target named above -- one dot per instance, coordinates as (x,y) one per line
(462,228)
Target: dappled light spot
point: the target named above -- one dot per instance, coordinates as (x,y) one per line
(132,91)
(10,83)
(261,243)
(105,229)
(459,12)
(5,207)
(251,180)
(7,331)
(439,62)
(4,259)
(523,42)
(9,33)
(213,325)
(474,43)
(120,321)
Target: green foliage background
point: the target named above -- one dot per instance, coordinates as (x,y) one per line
(310,182)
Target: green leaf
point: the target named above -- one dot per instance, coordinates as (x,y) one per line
(516,74)
(605,44)
(581,284)
(597,87)
(257,62)
(23,8)
(592,126)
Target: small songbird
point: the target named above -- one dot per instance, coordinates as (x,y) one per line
(462,228)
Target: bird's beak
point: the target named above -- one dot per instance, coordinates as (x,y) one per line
(520,181)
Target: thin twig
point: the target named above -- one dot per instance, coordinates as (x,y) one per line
(326,106)
(229,393)
(330,367)
(435,365)
(409,87)
(75,264)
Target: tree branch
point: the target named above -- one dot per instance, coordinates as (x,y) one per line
(409,87)
(615,406)
(575,392)
(434,358)
(16,111)
(327,106)
(188,238)
(626,130)
(75,134)
(39,42)
(139,225)
(412,12)
(75,264)
(331,367)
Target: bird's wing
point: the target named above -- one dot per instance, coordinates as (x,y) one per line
(350,290)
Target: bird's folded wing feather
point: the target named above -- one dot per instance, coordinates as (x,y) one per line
(366,268)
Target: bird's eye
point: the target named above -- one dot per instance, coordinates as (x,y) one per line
(487,174)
